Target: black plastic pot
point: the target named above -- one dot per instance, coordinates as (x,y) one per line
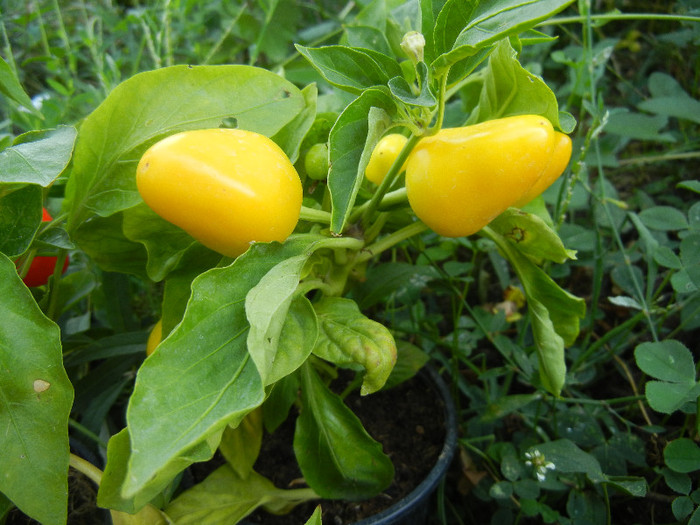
(415,507)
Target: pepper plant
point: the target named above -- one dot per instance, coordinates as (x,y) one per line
(244,337)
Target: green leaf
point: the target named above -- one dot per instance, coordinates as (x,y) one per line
(664,218)
(402,91)
(568,458)
(12,89)
(278,30)
(531,236)
(119,451)
(225,497)
(682,455)
(202,377)
(367,37)
(638,126)
(451,20)
(279,401)
(338,458)
(672,363)
(668,397)
(351,142)
(393,281)
(677,481)
(39,161)
(409,361)
(291,136)
(165,243)
(682,508)
(347,337)
(588,507)
(20,217)
(315,518)
(505,405)
(550,347)
(241,445)
(692,185)
(35,401)
(152,105)
(267,305)
(351,69)
(554,313)
(509,89)
(632,485)
(670,99)
(668,360)
(481,24)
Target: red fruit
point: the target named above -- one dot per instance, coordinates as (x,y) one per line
(42,265)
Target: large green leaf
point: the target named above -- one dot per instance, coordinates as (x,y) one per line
(352,140)
(267,305)
(336,455)
(203,376)
(226,497)
(509,89)
(165,243)
(39,158)
(118,454)
(486,23)
(148,107)
(554,312)
(351,69)
(20,217)
(11,88)
(349,338)
(532,236)
(35,401)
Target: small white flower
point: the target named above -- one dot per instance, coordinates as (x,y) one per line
(537,461)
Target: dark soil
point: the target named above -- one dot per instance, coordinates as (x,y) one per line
(408,421)
(82,509)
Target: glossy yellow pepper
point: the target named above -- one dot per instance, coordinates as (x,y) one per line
(383,156)
(460,179)
(558,161)
(154,337)
(227,188)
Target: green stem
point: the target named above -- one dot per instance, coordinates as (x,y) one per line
(388,181)
(659,158)
(314,215)
(54,295)
(627,325)
(225,34)
(617,16)
(442,99)
(87,468)
(87,432)
(391,199)
(601,402)
(390,240)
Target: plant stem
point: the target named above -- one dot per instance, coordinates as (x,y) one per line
(314,215)
(388,181)
(617,16)
(87,432)
(627,325)
(391,199)
(54,295)
(87,468)
(390,240)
